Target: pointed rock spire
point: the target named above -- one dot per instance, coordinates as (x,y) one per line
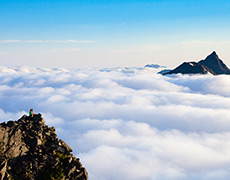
(213,53)
(212,56)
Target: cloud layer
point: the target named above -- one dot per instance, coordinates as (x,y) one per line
(129,123)
(45,41)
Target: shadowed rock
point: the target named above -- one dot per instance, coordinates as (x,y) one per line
(215,64)
(212,64)
(29,149)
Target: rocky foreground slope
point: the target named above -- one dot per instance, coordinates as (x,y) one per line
(29,149)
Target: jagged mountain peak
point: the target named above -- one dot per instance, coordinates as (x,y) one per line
(212,57)
(213,54)
(212,64)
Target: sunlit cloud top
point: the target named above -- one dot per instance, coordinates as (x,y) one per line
(129,123)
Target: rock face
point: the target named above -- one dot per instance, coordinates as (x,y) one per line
(30,150)
(215,64)
(190,68)
(212,64)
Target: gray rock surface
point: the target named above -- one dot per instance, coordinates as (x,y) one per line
(30,150)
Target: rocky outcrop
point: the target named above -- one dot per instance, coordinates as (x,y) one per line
(30,150)
(212,65)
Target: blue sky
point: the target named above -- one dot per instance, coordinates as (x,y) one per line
(112,33)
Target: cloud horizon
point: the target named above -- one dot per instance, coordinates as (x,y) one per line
(129,123)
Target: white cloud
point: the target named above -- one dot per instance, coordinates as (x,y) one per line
(46,41)
(198,43)
(139,49)
(129,123)
(69,50)
(10,41)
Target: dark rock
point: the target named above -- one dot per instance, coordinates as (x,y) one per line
(212,64)
(164,71)
(29,149)
(191,68)
(154,66)
(215,64)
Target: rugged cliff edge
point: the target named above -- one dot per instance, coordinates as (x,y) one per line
(30,150)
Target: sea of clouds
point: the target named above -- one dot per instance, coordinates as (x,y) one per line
(129,123)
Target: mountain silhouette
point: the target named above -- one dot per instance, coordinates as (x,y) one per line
(212,64)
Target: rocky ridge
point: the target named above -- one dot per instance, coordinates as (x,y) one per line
(212,65)
(30,150)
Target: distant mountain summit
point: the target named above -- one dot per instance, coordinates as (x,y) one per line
(212,64)
(154,66)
